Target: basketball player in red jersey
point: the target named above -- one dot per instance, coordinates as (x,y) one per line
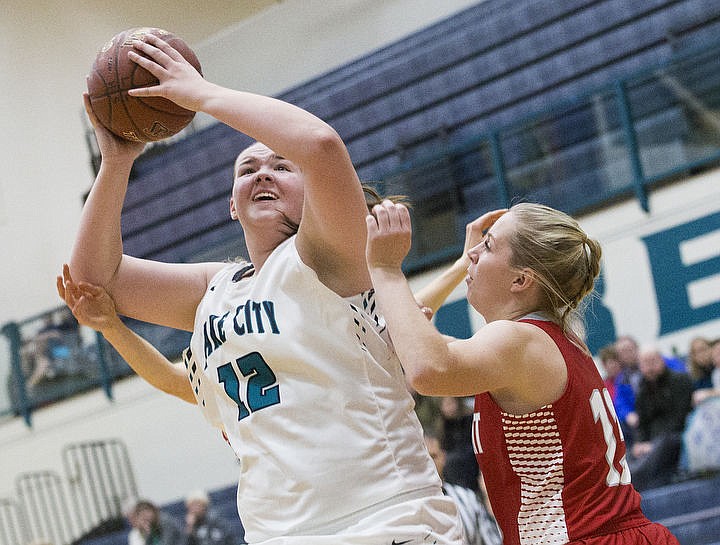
(545,432)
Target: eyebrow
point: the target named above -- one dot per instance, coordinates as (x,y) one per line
(253,159)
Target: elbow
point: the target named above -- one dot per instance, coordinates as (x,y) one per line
(425,380)
(324,140)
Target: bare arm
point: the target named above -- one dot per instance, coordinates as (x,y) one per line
(92,306)
(331,238)
(515,361)
(438,290)
(147,290)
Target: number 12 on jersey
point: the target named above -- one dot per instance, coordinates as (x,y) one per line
(261,388)
(604,411)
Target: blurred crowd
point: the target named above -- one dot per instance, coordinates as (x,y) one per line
(202,525)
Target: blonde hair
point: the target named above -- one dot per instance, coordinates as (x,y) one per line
(564,260)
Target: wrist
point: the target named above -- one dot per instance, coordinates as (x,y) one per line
(386,272)
(112,327)
(116,166)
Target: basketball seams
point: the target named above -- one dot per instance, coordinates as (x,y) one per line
(145,119)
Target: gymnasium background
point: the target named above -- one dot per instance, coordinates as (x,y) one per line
(661,242)
(48,47)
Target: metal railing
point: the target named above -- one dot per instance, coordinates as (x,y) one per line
(614,143)
(86,501)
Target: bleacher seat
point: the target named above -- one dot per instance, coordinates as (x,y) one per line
(690,509)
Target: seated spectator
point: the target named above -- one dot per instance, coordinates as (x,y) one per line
(202,526)
(155,527)
(44,348)
(700,440)
(709,385)
(134,536)
(48,354)
(627,350)
(479,525)
(699,362)
(622,394)
(663,401)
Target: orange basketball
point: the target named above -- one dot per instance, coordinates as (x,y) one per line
(142,119)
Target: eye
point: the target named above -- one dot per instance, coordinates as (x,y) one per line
(245,171)
(486,243)
(283,168)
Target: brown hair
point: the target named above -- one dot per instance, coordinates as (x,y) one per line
(696,368)
(372,197)
(608,353)
(564,260)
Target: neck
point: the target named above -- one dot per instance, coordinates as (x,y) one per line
(512,312)
(261,243)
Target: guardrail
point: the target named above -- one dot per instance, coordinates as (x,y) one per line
(614,143)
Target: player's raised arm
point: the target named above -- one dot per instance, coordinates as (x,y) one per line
(151,291)
(331,233)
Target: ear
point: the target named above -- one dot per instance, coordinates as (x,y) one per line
(233,212)
(522,281)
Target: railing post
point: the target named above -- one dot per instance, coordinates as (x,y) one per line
(632,144)
(12,331)
(105,378)
(499,166)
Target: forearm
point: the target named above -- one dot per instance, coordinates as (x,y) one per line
(422,350)
(286,129)
(439,289)
(97,251)
(148,362)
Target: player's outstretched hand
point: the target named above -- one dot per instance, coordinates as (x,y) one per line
(476,229)
(179,81)
(91,305)
(111,147)
(389,235)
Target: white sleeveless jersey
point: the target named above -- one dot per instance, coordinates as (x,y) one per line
(311,397)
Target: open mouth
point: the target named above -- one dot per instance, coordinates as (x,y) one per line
(265,196)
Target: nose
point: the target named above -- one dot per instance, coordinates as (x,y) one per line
(473,253)
(264,175)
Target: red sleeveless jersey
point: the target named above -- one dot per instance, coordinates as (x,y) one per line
(559,473)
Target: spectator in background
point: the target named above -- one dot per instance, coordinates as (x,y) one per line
(155,527)
(627,351)
(702,365)
(134,536)
(478,523)
(663,401)
(46,348)
(202,526)
(699,362)
(700,440)
(622,394)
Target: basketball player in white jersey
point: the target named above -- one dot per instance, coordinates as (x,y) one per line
(288,357)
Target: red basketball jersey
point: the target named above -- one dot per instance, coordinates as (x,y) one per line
(559,473)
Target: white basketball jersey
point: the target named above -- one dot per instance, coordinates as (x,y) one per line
(310,395)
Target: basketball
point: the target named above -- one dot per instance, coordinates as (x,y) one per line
(141,119)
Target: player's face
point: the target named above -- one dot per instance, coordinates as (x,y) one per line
(490,274)
(267,187)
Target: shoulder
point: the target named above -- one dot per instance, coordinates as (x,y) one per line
(516,339)
(536,372)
